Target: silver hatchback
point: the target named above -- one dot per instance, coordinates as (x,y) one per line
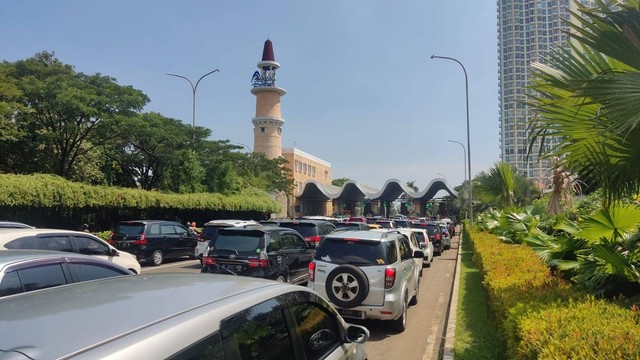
(368,274)
(176,316)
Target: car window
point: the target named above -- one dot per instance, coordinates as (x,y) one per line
(180,230)
(167,229)
(209,348)
(131,229)
(239,241)
(318,329)
(28,242)
(88,246)
(10,284)
(299,243)
(259,332)
(414,241)
(86,272)
(154,229)
(405,249)
(57,243)
(420,237)
(305,229)
(41,277)
(361,253)
(287,242)
(275,243)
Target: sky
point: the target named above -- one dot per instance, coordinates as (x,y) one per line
(362,91)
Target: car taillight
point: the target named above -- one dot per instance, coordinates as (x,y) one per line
(110,239)
(389,277)
(312,271)
(200,239)
(262,261)
(142,241)
(208,260)
(315,239)
(437,237)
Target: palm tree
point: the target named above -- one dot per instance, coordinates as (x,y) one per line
(496,187)
(589,98)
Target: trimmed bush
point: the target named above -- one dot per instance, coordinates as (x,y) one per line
(543,317)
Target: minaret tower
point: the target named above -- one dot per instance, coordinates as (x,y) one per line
(267,124)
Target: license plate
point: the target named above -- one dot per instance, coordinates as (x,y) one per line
(232,267)
(125,245)
(350,313)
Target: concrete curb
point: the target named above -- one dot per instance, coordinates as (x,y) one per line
(453,307)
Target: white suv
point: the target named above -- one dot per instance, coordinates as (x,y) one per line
(367,275)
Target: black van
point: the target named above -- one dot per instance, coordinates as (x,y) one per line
(153,240)
(268,252)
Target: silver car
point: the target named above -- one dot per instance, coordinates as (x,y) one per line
(368,274)
(177,316)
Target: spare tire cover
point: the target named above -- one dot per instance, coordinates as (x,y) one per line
(347,286)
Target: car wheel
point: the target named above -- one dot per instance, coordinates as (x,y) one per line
(156,258)
(281,278)
(400,324)
(347,286)
(415,298)
(428,264)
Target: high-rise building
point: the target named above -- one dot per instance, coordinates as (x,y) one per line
(527,30)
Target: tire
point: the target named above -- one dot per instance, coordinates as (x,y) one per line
(156,258)
(281,278)
(416,297)
(400,324)
(347,286)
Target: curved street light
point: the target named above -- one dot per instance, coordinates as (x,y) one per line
(466,84)
(464,156)
(193,89)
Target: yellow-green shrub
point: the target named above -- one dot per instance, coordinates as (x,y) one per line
(542,317)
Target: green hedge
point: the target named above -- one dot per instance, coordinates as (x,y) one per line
(53,191)
(542,317)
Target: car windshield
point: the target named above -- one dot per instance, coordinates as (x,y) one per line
(431,229)
(360,253)
(240,242)
(420,237)
(130,229)
(304,229)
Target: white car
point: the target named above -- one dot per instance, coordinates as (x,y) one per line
(66,240)
(425,245)
(367,275)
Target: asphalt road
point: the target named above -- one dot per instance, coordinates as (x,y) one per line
(423,338)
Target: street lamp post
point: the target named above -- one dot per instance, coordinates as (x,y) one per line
(464,156)
(193,89)
(466,85)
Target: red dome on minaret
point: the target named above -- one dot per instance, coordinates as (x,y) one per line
(267,51)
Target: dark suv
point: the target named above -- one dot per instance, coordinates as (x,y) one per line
(313,231)
(268,252)
(435,236)
(153,240)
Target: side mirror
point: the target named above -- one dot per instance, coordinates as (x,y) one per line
(418,254)
(114,252)
(356,334)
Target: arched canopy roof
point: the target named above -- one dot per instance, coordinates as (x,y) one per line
(354,191)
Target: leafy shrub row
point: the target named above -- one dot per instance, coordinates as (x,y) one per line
(542,317)
(52,191)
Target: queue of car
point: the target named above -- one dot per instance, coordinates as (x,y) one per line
(351,269)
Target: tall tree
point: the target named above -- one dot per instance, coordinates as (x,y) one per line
(340,181)
(502,187)
(588,96)
(64,108)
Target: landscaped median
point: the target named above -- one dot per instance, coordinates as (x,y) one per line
(542,317)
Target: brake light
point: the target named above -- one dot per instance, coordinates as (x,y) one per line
(142,241)
(315,239)
(110,239)
(312,271)
(389,277)
(208,260)
(262,261)
(200,239)
(437,237)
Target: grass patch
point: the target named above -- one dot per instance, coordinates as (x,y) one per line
(476,335)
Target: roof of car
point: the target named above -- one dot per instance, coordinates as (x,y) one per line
(147,221)
(304,221)
(232,222)
(12,257)
(262,228)
(10,234)
(88,311)
(373,234)
(14,225)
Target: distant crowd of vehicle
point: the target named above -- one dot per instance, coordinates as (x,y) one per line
(364,268)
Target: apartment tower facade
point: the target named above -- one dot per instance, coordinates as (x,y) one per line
(527,30)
